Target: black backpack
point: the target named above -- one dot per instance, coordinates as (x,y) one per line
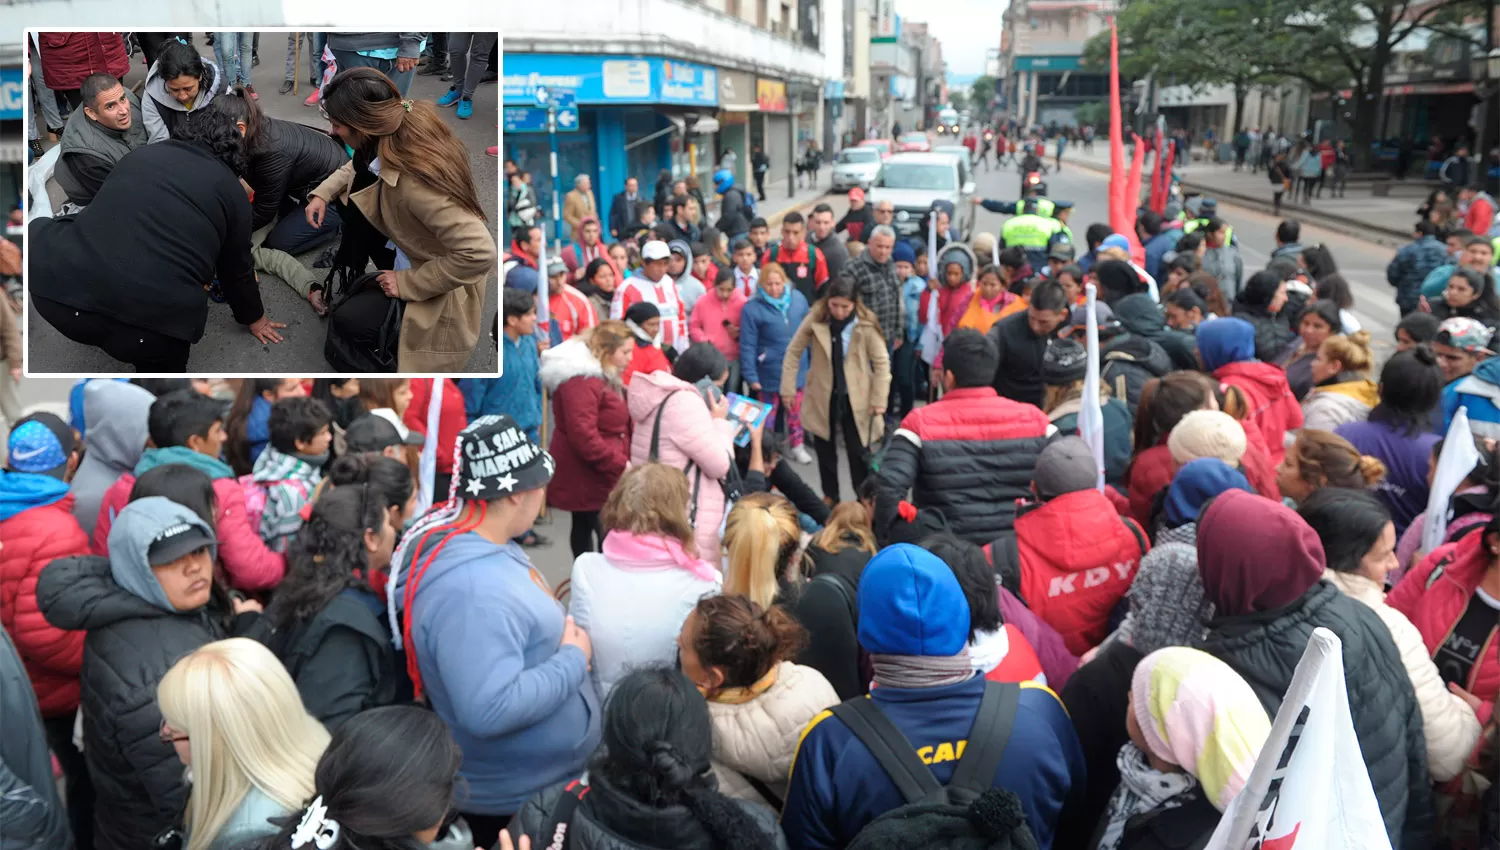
(364,327)
(968,812)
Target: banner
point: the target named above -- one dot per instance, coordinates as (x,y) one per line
(1454,465)
(1091,416)
(1309,789)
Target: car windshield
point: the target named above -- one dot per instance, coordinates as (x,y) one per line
(859,155)
(911,175)
(914,137)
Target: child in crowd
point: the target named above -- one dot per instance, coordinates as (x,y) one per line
(288,471)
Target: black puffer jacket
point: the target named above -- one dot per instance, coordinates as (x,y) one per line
(608,820)
(1265,647)
(1274,336)
(1143,318)
(289,161)
(1021,354)
(1129,361)
(342,659)
(131,644)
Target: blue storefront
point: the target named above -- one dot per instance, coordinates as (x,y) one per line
(629,114)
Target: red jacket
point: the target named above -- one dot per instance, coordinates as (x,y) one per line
(1273,410)
(69,57)
(1078,558)
(1435,605)
(33,539)
(590,442)
(1153,470)
(647,358)
(451,420)
(248,564)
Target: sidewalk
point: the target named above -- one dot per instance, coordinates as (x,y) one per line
(1387,220)
(777,204)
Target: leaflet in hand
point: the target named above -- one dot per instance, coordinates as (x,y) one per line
(746,413)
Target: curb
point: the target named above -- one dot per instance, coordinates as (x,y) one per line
(1379,234)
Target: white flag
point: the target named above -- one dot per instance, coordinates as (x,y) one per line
(1309,789)
(1454,465)
(1091,417)
(427,463)
(543,305)
(933,273)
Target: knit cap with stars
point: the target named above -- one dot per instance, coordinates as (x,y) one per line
(496,459)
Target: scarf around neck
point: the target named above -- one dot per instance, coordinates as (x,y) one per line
(784,303)
(629,551)
(1142,789)
(921,671)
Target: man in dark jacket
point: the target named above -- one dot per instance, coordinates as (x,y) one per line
(144,608)
(859,221)
(1128,362)
(874,272)
(968,456)
(734,212)
(31,813)
(828,243)
(1413,263)
(625,210)
(97,136)
(760,164)
(1262,567)
(1021,341)
(1141,317)
(1157,241)
(913,615)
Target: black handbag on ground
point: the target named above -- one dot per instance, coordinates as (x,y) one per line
(364,327)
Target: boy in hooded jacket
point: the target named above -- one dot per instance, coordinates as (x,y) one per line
(1227,347)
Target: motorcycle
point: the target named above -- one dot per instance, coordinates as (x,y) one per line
(1032,185)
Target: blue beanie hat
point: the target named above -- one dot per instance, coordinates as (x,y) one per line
(1197,482)
(904,253)
(910,603)
(1115,240)
(1224,341)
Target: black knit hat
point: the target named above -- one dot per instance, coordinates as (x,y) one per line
(1065,362)
(496,459)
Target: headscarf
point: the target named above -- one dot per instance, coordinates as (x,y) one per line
(1224,341)
(1197,482)
(1255,554)
(1197,713)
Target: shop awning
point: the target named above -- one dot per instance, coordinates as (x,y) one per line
(705,125)
(739,107)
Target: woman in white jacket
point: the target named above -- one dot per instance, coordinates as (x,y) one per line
(633,597)
(739,655)
(1359,545)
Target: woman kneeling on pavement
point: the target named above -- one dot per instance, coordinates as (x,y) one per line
(287,160)
(177,209)
(426,233)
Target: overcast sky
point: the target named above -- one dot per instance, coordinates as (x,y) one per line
(966,27)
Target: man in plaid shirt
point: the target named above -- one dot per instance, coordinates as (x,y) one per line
(879,287)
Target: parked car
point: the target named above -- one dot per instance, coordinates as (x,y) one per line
(856,166)
(912,181)
(913,143)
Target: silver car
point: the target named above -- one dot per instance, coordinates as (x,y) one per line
(913,181)
(856,167)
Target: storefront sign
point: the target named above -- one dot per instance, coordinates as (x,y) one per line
(737,91)
(604,80)
(1036,63)
(12,94)
(770,95)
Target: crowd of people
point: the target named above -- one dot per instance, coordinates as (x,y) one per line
(280,612)
(188,167)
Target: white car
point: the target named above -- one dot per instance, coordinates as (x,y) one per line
(856,167)
(913,181)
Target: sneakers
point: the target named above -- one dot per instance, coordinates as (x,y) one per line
(492,150)
(433,69)
(465,108)
(451,96)
(286,87)
(250,90)
(800,454)
(312,99)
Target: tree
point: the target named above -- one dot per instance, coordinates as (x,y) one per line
(981,92)
(958,98)
(1095,113)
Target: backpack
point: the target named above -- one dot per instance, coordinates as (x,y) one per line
(732,484)
(749,204)
(355,343)
(969,811)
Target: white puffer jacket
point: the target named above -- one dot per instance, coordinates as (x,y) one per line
(1447,721)
(759,737)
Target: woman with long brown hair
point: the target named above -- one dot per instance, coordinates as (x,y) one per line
(444,253)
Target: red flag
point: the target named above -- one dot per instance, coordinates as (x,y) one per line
(1133,197)
(1116,139)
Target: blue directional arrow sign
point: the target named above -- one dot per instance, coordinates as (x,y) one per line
(567,110)
(525,119)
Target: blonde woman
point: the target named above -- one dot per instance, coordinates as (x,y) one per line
(762,539)
(649,563)
(1343,391)
(236,720)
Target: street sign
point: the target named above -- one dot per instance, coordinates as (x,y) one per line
(525,119)
(567,108)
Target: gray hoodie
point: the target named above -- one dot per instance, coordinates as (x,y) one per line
(32,816)
(112,447)
(130,540)
(689,288)
(156,100)
(408,44)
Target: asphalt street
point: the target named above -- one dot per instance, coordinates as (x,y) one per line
(227,347)
(1362,262)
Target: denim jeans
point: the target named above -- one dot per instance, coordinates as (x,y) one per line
(315,42)
(346,60)
(233,51)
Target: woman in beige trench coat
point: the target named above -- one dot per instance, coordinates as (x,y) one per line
(410,180)
(848,381)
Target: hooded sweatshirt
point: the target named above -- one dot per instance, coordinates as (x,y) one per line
(162,113)
(134,637)
(1228,350)
(689,288)
(1349,399)
(487,640)
(114,444)
(37,526)
(910,603)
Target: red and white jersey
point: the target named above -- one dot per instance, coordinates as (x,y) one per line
(674,316)
(571,311)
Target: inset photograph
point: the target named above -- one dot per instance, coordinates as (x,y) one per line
(269,201)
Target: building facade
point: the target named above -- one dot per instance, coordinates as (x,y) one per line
(1041,50)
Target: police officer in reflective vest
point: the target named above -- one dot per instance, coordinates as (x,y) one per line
(1208,208)
(1031,232)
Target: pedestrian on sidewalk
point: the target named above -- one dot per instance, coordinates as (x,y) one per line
(1280,176)
(1455,170)
(315,42)
(467,54)
(1062,144)
(760,164)
(1343,163)
(1309,167)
